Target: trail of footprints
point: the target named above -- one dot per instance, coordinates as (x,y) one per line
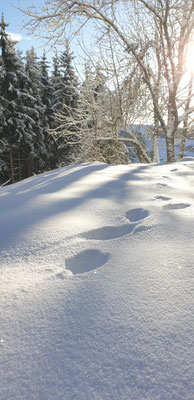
(112,232)
(81,262)
(172,206)
(176,206)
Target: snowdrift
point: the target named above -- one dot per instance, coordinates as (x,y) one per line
(96,286)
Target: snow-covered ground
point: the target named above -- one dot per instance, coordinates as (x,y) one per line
(96,284)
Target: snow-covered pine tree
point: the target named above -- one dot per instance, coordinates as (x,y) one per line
(47,93)
(57,83)
(57,101)
(7,97)
(22,124)
(70,144)
(15,139)
(66,102)
(4,167)
(35,86)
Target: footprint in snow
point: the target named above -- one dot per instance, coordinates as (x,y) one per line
(176,206)
(86,261)
(164,198)
(112,232)
(136,214)
(108,232)
(159,184)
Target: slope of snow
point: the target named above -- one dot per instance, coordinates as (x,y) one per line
(96,284)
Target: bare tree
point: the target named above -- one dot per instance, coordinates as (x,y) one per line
(188,121)
(110,99)
(156,33)
(95,128)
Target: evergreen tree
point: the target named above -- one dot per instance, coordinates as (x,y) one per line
(57,84)
(47,93)
(35,86)
(56,103)
(15,140)
(3,141)
(23,123)
(69,78)
(66,101)
(6,102)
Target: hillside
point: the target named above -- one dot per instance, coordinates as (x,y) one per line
(96,287)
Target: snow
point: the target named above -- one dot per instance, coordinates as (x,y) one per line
(96,285)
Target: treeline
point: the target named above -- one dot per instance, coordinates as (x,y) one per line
(30,96)
(48,119)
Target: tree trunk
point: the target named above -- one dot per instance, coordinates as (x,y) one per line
(29,168)
(183,140)
(170,147)
(19,166)
(171,129)
(155,139)
(11,164)
(185,122)
(141,153)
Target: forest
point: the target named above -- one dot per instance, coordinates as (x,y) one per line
(140,75)
(31,96)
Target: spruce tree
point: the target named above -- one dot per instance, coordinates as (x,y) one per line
(66,93)
(57,84)
(7,96)
(4,168)
(57,101)
(14,119)
(47,93)
(33,72)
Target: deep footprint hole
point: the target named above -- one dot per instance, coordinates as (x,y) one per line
(164,198)
(86,261)
(176,206)
(136,214)
(108,232)
(159,184)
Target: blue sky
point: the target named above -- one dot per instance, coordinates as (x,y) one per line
(15,20)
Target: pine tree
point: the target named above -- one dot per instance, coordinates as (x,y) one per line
(56,103)
(33,72)
(8,80)
(21,122)
(3,142)
(69,78)
(66,94)
(14,135)
(47,93)
(57,84)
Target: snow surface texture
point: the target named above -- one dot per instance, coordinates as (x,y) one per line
(96,284)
